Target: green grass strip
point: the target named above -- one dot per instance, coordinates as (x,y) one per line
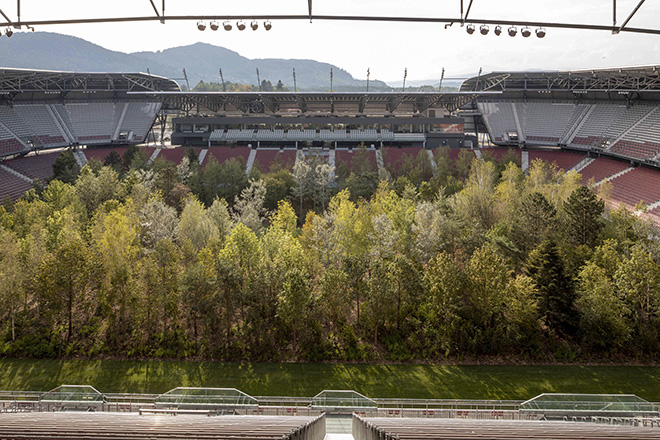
(306,380)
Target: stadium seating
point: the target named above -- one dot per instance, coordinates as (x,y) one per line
(237,134)
(8,143)
(43,124)
(592,132)
(545,123)
(369,135)
(11,185)
(270,135)
(81,425)
(222,154)
(137,119)
(386,135)
(602,168)
(301,135)
(499,152)
(465,429)
(176,155)
(639,185)
(92,122)
(102,153)
(347,156)
(563,159)
(266,157)
(499,118)
(394,157)
(36,166)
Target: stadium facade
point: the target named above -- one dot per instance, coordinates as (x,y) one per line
(590,116)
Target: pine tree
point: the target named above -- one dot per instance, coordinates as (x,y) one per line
(545,266)
(583,223)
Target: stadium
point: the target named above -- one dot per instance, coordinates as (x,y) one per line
(511,219)
(600,123)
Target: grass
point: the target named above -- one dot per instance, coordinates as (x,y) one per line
(373,380)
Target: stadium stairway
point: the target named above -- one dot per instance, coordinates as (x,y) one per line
(379,160)
(202,156)
(614,176)
(434,166)
(582,164)
(338,427)
(80,157)
(250,161)
(16,173)
(153,156)
(524,160)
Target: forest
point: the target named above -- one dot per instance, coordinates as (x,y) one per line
(477,263)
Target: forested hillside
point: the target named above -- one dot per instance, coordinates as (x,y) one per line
(174,261)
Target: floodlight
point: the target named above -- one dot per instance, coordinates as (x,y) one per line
(470,29)
(267,25)
(214,25)
(498,30)
(540,32)
(484,29)
(201,25)
(9,32)
(525,32)
(226,25)
(513,31)
(240,25)
(254,25)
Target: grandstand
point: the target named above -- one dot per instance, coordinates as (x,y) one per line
(601,123)
(81,426)
(446,429)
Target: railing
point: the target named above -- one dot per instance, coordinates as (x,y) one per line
(132,402)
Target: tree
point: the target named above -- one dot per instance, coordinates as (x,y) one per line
(65,167)
(303,175)
(12,277)
(545,267)
(158,221)
(249,207)
(583,211)
(62,281)
(95,188)
(196,229)
(638,281)
(536,221)
(604,318)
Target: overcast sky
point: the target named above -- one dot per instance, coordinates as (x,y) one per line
(385,48)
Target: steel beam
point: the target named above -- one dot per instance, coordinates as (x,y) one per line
(386,19)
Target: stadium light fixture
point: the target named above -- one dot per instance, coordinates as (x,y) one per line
(201,25)
(267,25)
(498,30)
(470,29)
(214,25)
(526,32)
(9,32)
(540,32)
(254,25)
(240,25)
(227,25)
(513,31)
(484,29)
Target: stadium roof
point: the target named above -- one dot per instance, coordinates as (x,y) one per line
(49,81)
(624,80)
(251,101)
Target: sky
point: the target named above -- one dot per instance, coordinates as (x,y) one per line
(384,48)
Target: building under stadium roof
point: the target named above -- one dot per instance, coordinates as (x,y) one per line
(603,123)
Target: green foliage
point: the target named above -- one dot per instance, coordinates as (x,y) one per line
(65,168)
(177,261)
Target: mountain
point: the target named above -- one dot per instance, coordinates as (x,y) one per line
(51,51)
